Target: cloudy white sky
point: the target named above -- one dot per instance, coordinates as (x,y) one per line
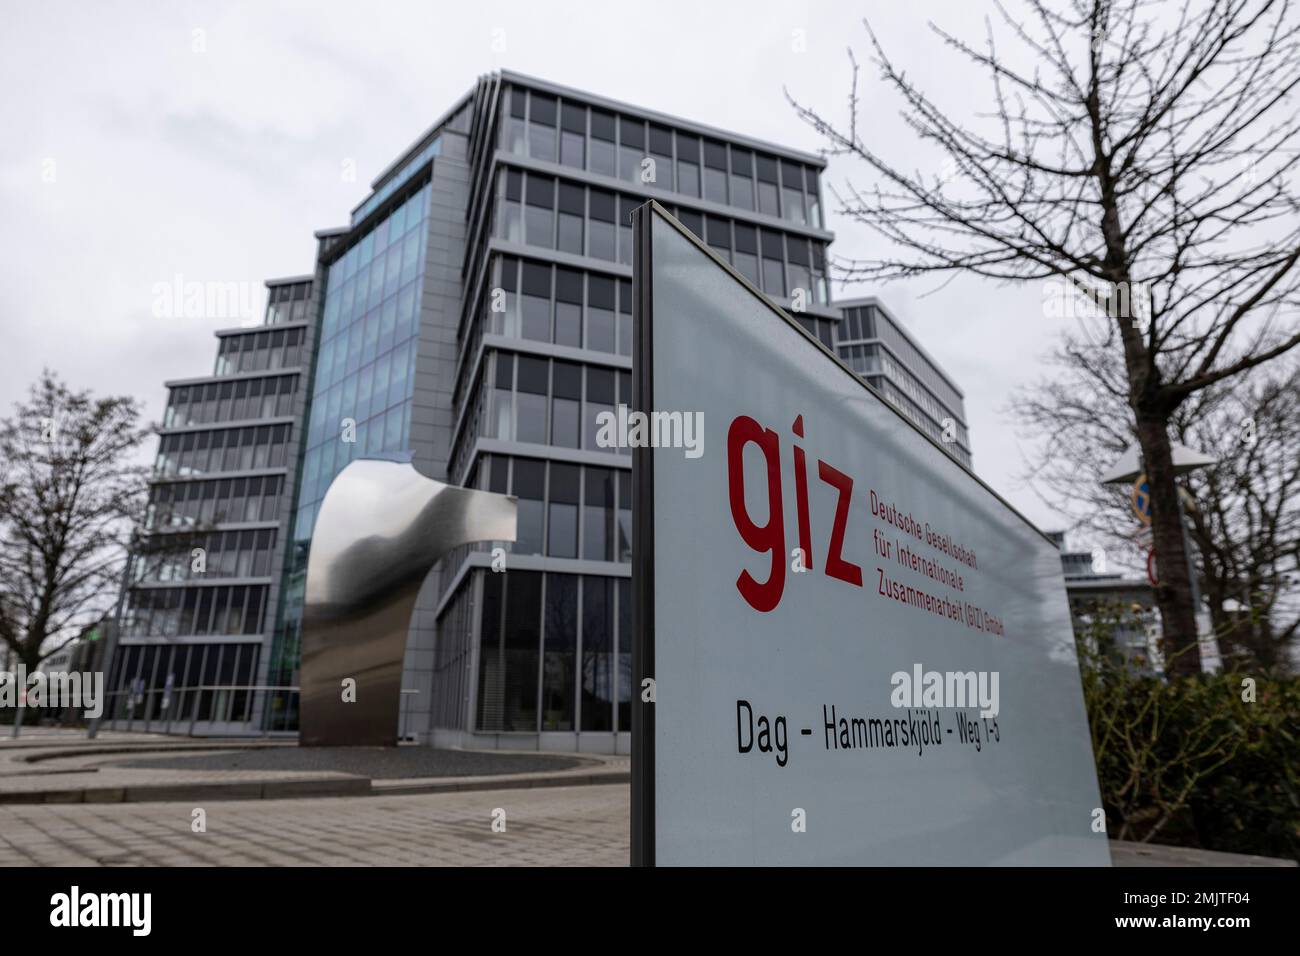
(129,158)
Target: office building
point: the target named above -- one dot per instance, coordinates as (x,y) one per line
(474,316)
(874,344)
(198,606)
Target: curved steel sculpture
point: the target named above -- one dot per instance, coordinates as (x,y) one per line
(381,527)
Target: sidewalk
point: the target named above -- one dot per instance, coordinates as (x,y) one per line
(76,770)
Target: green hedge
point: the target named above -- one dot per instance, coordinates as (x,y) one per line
(1195,761)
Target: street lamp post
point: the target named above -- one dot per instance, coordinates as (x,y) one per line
(1128,468)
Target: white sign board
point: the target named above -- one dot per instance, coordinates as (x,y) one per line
(911,698)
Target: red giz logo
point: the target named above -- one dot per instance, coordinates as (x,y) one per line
(769,538)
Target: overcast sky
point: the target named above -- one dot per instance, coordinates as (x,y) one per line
(135,150)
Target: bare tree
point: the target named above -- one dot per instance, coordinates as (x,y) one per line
(1244,511)
(1246,520)
(1146,160)
(68,494)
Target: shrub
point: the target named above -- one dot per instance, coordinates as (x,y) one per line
(1211,761)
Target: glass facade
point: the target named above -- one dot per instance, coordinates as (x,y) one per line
(529,324)
(197,611)
(363,382)
(544,348)
(180,686)
(871,343)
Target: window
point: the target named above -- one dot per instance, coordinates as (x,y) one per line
(688,164)
(746,260)
(814,204)
(692,221)
(742,182)
(800,276)
(602,143)
(766,169)
(600,313)
(624,317)
(503,404)
(661,151)
(573,136)
(539,216)
(521,643)
(623,589)
(623,545)
(559,701)
(562,504)
(529,486)
(600,398)
(510,211)
(565,414)
(541,127)
(568,307)
(598,515)
(512,132)
(573,201)
(597,707)
(773,273)
(715,171)
(603,235)
(535,303)
(530,399)
(792,191)
(625,205)
(718,233)
(507,323)
(631,149)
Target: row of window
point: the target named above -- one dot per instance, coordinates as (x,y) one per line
(565,510)
(160,682)
(230,401)
(205,503)
(259,351)
(863,359)
(923,421)
(543,401)
(903,379)
(366,365)
(649,154)
(287,303)
(545,303)
(382,432)
(376,264)
(220,554)
(375,389)
(541,211)
(194,610)
(386,336)
(867,322)
(227,449)
(352,297)
(555,653)
(401,176)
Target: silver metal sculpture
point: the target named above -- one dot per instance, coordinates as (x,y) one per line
(381,527)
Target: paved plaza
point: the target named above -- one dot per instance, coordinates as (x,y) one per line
(559,826)
(405,807)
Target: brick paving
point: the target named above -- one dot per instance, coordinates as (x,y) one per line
(143,769)
(561,826)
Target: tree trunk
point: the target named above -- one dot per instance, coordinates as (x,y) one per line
(1174,591)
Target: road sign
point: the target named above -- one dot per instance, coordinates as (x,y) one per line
(1141,499)
(812,590)
(1151,567)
